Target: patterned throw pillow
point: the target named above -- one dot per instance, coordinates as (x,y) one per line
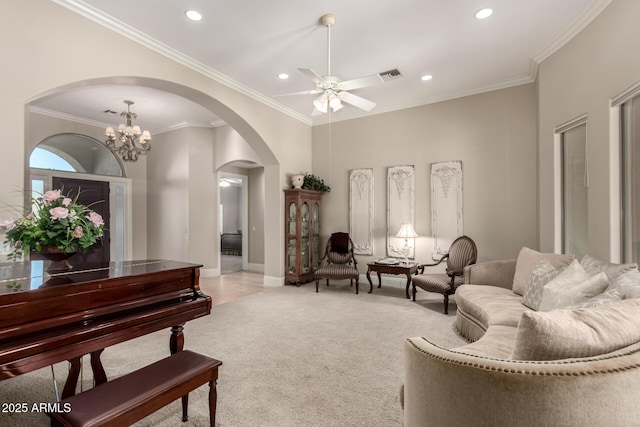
(541,274)
(594,266)
(628,284)
(568,333)
(527,260)
(571,287)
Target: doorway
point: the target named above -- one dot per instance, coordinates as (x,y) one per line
(233,222)
(95,195)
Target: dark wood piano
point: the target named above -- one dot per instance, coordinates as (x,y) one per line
(48,316)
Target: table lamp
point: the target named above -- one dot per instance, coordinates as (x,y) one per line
(406,232)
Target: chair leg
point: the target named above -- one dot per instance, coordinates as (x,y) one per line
(357,285)
(414,291)
(446,303)
(327,282)
(317,283)
(351,282)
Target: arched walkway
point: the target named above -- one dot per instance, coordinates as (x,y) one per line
(263,152)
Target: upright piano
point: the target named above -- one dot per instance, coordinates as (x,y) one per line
(48,316)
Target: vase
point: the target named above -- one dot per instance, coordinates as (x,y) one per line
(297,181)
(58,257)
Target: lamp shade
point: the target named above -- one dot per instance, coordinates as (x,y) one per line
(407,232)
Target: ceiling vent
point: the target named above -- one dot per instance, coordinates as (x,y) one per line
(390,75)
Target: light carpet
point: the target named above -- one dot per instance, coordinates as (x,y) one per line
(291,358)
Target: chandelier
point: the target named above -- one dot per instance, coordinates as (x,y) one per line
(130,141)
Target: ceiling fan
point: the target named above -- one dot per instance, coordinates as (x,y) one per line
(332,90)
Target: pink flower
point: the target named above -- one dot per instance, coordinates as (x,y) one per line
(59,212)
(96,219)
(9,224)
(31,215)
(77,232)
(66,201)
(51,195)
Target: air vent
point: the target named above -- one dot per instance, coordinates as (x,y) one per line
(390,75)
(109,112)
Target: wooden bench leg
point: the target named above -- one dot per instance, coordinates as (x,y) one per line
(185,408)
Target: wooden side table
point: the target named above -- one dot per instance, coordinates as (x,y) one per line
(406,269)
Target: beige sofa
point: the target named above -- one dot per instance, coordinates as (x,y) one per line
(480,384)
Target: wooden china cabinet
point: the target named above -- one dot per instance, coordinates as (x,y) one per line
(302,234)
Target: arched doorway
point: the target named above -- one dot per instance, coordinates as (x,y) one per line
(82,166)
(239,124)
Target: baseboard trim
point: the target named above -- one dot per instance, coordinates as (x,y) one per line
(209,272)
(273,281)
(257,268)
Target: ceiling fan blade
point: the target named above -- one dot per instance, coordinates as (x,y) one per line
(371,80)
(356,101)
(315,77)
(303,92)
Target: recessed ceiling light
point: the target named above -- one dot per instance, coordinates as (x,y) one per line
(484,13)
(193,15)
(283,76)
(426,77)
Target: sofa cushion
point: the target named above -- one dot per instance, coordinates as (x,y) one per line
(542,274)
(594,266)
(573,333)
(628,284)
(497,342)
(528,259)
(571,287)
(489,305)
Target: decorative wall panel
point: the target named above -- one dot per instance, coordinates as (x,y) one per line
(401,184)
(361,210)
(446,205)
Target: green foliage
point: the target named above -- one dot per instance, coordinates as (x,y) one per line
(57,221)
(313,182)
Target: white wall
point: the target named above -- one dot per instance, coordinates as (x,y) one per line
(581,78)
(493,134)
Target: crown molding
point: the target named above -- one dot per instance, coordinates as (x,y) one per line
(578,25)
(113,24)
(69,117)
(325,119)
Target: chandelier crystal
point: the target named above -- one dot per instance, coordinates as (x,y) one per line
(130,141)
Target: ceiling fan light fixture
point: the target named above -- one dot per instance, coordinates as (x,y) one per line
(334,102)
(321,103)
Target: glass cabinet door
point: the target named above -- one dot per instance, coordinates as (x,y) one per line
(304,213)
(291,256)
(292,219)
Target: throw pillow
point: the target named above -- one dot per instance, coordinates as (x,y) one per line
(585,332)
(527,260)
(628,284)
(572,286)
(606,297)
(542,274)
(594,266)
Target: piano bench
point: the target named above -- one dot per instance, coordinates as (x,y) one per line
(133,396)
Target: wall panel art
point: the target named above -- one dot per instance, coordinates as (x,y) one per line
(401,184)
(361,210)
(446,205)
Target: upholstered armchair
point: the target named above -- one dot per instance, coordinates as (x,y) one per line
(463,252)
(339,261)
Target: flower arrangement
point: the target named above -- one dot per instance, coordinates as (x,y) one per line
(55,221)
